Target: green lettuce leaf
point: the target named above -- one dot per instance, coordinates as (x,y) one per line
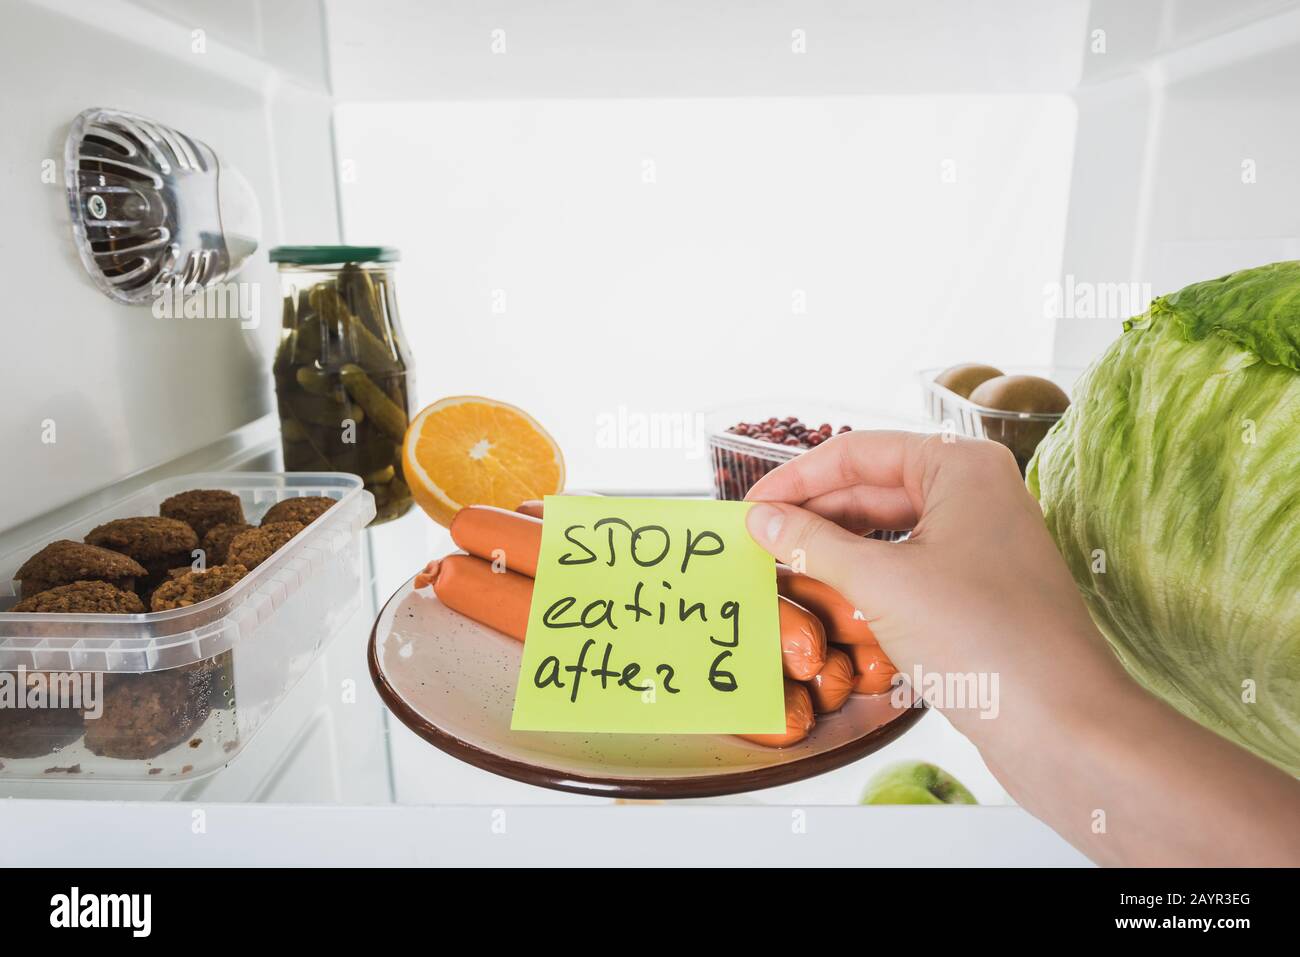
(1172,488)
(1258,309)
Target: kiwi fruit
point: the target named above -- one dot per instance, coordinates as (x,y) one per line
(1019,393)
(963,378)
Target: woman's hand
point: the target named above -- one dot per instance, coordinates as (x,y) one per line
(977,587)
(978,592)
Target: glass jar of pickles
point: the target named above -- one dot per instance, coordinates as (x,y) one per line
(343,376)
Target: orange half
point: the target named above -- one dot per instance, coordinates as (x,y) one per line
(468,450)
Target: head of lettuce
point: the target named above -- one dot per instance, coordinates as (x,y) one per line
(1172,487)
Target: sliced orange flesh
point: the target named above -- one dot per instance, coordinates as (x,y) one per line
(468,450)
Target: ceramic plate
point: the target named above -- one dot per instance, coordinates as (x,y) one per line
(452,681)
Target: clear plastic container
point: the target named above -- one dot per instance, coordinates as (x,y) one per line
(1019,431)
(181,692)
(739,461)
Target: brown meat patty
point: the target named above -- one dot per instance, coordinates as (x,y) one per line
(306,510)
(33,732)
(156,543)
(217,539)
(63,562)
(194,587)
(147,714)
(203,508)
(256,545)
(83,598)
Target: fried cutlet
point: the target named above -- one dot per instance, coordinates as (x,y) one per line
(193,587)
(254,546)
(204,508)
(305,510)
(63,562)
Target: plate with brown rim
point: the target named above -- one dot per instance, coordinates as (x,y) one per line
(452,682)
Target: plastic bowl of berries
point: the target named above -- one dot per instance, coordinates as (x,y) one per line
(745,451)
(743,448)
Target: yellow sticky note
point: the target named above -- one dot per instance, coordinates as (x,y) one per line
(651,616)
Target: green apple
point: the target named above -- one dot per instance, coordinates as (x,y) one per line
(915,782)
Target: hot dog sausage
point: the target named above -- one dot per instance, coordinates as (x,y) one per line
(799,719)
(493,533)
(490,533)
(831,686)
(872,670)
(468,585)
(803,641)
(501,600)
(836,612)
(531,507)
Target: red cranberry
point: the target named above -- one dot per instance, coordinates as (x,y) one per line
(741,429)
(814,439)
(792,441)
(845,428)
(825,428)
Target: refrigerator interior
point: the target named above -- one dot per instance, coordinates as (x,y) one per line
(609,211)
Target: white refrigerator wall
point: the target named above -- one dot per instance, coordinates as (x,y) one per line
(1187,163)
(93,390)
(610,261)
(666,206)
(126,391)
(680,205)
(620,216)
(675,204)
(605,263)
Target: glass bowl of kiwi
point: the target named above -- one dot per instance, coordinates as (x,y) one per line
(1016,407)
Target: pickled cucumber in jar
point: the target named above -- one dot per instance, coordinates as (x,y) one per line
(343,375)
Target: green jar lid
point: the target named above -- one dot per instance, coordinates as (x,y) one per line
(330,255)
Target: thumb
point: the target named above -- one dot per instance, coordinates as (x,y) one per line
(820,548)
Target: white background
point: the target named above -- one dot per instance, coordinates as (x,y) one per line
(674,255)
(775,172)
